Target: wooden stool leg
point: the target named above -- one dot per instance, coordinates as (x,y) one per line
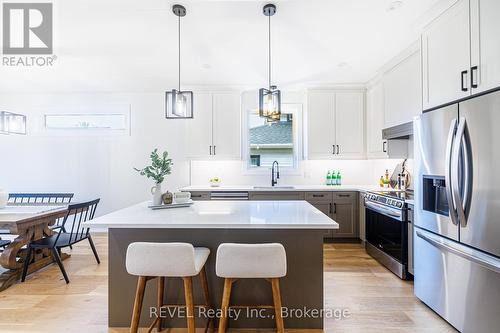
(277,305)
(188,294)
(139,296)
(225,304)
(206,295)
(161,291)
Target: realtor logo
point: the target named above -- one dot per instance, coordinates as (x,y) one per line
(27,28)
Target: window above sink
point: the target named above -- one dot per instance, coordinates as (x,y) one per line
(264,143)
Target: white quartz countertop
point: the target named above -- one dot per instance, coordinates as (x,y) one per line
(297,188)
(220,214)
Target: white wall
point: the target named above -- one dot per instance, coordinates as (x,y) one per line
(90,165)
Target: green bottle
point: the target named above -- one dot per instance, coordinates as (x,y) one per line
(334,178)
(339,178)
(328,178)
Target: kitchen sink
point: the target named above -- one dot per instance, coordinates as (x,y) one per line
(277,187)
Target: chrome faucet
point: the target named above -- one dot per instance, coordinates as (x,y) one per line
(274,179)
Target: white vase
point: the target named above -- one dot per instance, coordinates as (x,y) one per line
(4,197)
(156,192)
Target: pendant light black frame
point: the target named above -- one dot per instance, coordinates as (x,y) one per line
(271,92)
(171,97)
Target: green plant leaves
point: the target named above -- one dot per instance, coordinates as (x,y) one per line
(159,168)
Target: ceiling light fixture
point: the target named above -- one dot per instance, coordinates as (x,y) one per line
(12,123)
(270,98)
(179,104)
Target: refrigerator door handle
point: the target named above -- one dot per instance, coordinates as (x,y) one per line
(461,143)
(448,172)
(445,245)
(468,174)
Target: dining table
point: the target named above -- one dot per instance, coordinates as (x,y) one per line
(27,222)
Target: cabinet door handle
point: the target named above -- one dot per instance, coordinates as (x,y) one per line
(384,146)
(330,208)
(210,150)
(334,208)
(333,149)
(463,81)
(214,151)
(338,149)
(473,82)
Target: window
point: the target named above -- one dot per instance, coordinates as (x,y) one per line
(86,121)
(268,142)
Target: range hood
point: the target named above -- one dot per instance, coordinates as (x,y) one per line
(402,131)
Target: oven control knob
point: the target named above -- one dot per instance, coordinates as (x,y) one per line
(400,204)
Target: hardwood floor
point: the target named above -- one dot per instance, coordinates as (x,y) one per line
(373,299)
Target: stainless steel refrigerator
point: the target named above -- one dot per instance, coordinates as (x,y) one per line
(457,213)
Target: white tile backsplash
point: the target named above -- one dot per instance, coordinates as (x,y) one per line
(354,172)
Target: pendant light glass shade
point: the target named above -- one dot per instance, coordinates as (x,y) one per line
(179,104)
(270,103)
(270,99)
(12,123)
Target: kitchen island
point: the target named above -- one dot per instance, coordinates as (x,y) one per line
(295,224)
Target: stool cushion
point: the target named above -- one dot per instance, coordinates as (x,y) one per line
(165,259)
(251,260)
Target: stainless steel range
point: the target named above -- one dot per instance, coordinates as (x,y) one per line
(387,230)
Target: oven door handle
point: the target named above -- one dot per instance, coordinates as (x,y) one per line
(383,210)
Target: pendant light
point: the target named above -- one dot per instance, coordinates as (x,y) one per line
(12,123)
(179,104)
(270,98)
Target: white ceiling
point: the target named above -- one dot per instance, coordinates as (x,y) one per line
(131,45)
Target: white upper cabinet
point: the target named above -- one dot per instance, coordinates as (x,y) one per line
(226,125)
(485,44)
(335,124)
(446,58)
(402,87)
(321,124)
(349,131)
(199,133)
(375,145)
(214,131)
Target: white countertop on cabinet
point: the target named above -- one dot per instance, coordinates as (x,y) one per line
(220,214)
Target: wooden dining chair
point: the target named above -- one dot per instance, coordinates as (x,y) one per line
(74,221)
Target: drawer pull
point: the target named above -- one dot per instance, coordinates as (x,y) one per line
(318,195)
(344,195)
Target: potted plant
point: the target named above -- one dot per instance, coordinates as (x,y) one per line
(160,167)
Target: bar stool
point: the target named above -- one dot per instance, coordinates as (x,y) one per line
(182,260)
(249,261)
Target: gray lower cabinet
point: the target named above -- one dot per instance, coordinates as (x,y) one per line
(341,207)
(323,201)
(345,213)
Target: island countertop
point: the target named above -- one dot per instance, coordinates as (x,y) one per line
(220,215)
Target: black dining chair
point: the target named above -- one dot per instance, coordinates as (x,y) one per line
(74,221)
